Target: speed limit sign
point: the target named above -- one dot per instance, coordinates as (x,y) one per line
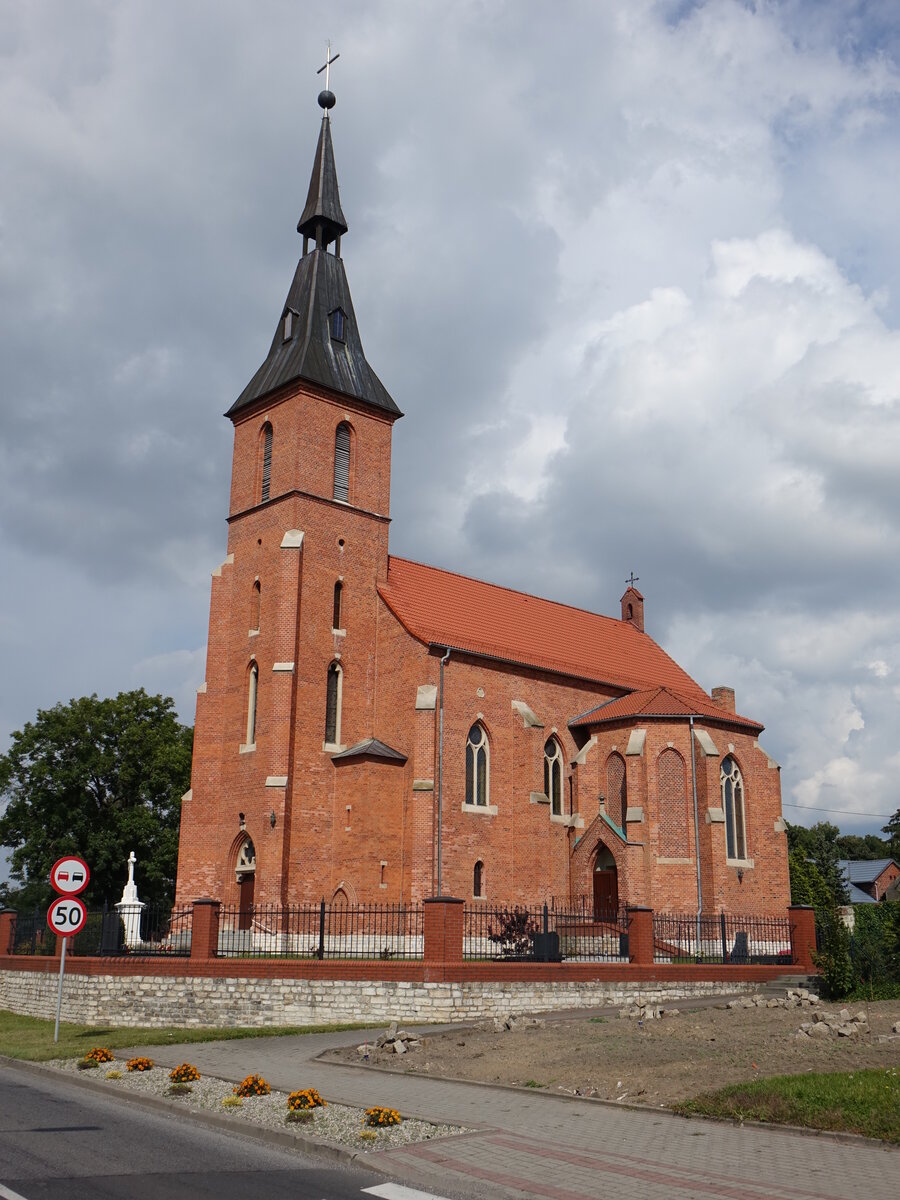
(66,916)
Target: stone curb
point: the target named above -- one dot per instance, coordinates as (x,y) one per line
(834,1135)
(319,1148)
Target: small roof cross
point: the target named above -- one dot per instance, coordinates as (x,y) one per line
(326,66)
(633,580)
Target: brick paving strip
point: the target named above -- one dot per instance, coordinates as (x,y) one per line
(555,1147)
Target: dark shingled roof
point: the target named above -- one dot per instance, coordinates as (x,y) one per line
(319,287)
(311,353)
(323,201)
(371,748)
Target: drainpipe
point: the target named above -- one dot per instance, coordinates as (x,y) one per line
(696,833)
(440,786)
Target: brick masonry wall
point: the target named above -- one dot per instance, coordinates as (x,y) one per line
(227,1000)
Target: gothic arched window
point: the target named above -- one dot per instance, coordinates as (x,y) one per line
(265,461)
(553,775)
(255,597)
(336,611)
(478,879)
(333,705)
(342,462)
(477,773)
(733,803)
(252,689)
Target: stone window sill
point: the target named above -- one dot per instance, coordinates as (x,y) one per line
(483,810)
(574,821)
(747,863)
(332,747)
(247,749)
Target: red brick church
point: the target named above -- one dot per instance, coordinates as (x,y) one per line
(375,729)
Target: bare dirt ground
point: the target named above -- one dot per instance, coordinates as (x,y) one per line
(655,1062)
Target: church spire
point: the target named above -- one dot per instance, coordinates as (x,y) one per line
(322,219)
(316,338)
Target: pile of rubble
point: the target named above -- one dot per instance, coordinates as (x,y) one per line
(795,998)
(395,1041)
(643,1011)
(508,1024)
(830,1024)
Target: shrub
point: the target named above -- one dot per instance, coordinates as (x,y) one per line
(304,1100)
(253,1085)
(139,1064)
(232,1102)
(113,1074)
(380,1118)
(87,1064)
(179,1089)
(833,959)
(184,1073)
(99,1054)
(514,932)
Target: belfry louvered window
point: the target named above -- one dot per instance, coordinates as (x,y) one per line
(333,705)
(266,471)
(342,462)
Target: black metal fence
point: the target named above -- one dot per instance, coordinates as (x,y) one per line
(323,931)
(30,934)
(721,938)
(138,930)
(578,932)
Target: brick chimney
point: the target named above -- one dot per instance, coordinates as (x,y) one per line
(724,698)
(633,607)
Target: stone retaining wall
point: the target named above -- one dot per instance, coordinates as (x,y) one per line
(193,1000)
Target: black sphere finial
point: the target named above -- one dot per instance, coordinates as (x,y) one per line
(327,99)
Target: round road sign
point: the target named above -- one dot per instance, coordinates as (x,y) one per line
(70,875)
(66,915)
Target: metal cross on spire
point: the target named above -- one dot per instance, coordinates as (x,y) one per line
(633,580)
(326,66)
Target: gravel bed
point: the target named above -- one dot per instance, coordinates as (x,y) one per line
(337,1123)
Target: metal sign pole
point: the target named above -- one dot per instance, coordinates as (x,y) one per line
(62,969)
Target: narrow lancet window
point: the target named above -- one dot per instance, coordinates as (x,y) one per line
(336,612)
(553,775)
(252,688)
(333,705)
(733,803)
(477,767)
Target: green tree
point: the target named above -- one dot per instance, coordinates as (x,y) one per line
(819,845)
(97,778)
(892,829)
(869,846)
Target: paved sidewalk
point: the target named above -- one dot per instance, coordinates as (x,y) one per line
(550,1147)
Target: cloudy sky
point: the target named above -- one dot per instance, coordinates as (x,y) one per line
(631,269)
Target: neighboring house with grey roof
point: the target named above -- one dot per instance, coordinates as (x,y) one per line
(868,881)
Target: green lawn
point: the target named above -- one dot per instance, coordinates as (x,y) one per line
(866,1102)
(32,1038)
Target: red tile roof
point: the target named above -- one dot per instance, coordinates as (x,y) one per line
(443,609)
(660,702)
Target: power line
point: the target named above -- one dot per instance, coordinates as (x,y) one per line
(847,812)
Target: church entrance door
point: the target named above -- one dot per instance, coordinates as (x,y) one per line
(606,886)
(246,887)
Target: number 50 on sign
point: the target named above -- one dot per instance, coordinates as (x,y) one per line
(66,916)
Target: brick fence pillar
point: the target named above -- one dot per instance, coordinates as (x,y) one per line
(205,929)
(640,935)
(803,935)
(7,926)
(443,930)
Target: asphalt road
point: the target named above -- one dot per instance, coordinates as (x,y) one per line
(59,1142)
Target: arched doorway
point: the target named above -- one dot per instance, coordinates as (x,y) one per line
(245,873)
(606,885)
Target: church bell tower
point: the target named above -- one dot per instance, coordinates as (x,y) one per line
(293,612)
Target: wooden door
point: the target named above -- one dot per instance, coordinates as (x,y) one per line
(245,887)
(606,894)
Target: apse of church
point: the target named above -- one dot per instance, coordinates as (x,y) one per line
(371,729)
